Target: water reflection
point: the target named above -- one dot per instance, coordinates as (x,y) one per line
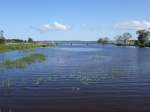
(80,49)
(5,109)
(6,87)
(40,80)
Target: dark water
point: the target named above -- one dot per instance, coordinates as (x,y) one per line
(79,78)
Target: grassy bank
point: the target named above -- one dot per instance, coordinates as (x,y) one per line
(21,46)
(24,61)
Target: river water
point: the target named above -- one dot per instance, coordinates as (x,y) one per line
(78,78)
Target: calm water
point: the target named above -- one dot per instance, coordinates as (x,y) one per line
(78,78)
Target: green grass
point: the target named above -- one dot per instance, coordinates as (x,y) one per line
(21,46)
(24,61)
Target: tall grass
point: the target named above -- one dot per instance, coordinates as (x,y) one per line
(21,46)
(24,61)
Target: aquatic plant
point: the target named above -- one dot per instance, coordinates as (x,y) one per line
(24,61)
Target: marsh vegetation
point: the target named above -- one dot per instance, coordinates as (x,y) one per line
(24,61)
(21,46)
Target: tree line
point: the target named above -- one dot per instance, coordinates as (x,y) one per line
(3,40)
(126,39)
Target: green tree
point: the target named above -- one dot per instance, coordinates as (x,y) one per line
(143,38)
(2,38)
(126,38)
(30,40)
(123,39)
(118,39)
(103,40)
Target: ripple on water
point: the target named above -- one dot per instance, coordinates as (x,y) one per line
(101,78)
(80,49)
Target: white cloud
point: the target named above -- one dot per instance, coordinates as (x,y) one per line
(56,26)
(134,25)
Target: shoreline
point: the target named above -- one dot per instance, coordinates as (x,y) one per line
(8,47)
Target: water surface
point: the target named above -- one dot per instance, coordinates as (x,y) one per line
(78,78)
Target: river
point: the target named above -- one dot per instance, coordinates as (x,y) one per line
(78,78)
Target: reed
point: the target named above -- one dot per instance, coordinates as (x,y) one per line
(24,61)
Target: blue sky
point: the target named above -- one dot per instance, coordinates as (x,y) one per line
(72,19)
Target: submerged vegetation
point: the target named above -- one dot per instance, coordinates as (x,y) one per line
(24,61)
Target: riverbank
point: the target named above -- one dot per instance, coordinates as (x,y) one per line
(22,46)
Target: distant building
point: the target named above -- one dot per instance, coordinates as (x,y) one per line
(125,43)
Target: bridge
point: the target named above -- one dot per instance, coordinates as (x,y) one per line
(73,43)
